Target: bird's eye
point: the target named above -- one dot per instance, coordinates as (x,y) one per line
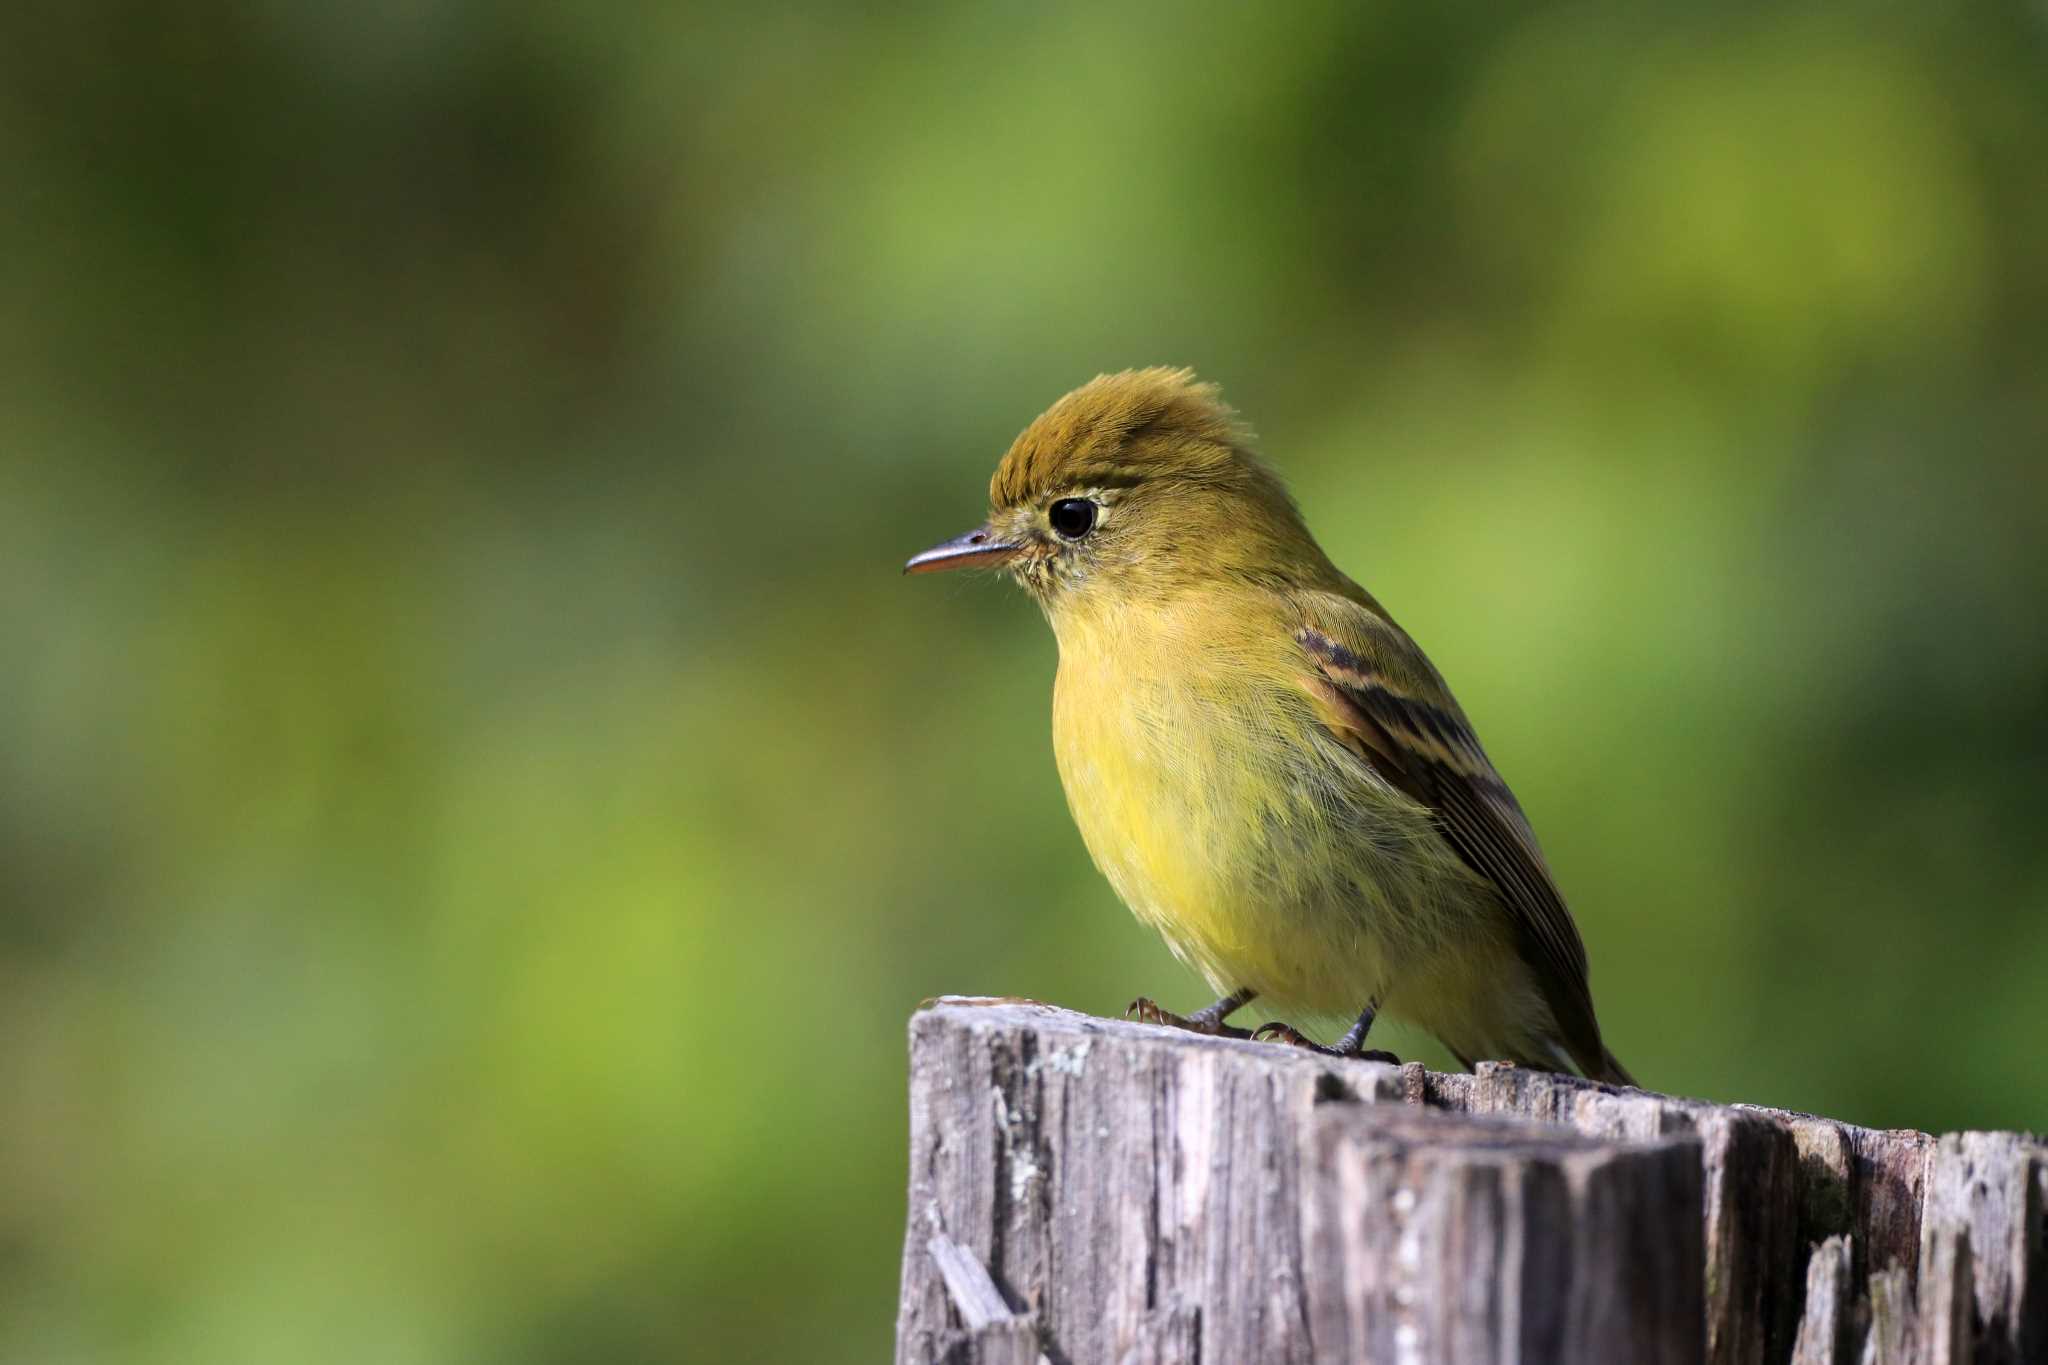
(1072,518)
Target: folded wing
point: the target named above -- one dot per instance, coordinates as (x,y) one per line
(1380,696)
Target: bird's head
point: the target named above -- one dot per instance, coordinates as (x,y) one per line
(1129,488)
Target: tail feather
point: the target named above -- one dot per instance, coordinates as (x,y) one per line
(1611,1070)
(1608,1069)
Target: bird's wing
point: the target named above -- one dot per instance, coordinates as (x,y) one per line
(1378,694)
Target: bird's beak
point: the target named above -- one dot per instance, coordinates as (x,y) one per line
(978,548)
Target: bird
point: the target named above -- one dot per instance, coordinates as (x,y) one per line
(1264,765)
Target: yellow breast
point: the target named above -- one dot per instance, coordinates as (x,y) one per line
(1194,770)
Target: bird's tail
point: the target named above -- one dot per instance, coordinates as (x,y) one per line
(1611,1070)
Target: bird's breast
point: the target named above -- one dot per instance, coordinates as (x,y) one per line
(1227,817)
(1200,782)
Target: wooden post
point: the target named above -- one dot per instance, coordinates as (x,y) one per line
(1087,1190)
(1431,1236)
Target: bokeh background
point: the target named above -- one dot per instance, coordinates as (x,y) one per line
(478,803)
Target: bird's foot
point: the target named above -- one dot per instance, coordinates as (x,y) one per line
(1277,1032)
(1144,1010)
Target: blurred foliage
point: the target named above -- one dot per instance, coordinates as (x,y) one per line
(480,803)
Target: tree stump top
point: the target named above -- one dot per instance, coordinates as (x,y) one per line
(1088,1189)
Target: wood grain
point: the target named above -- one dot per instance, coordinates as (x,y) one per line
(1090,1190)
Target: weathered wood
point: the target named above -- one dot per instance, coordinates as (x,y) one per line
(1982,1239)
(1106,1173)
(1439,1238)
(1827,1325)
(990,1332)
(1775,1183)
(1136,1194)
(1892,1334)
(1861,1182)
(1942,1311)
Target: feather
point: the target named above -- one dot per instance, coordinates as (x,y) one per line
(1380,695)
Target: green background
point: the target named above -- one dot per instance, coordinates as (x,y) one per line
(479,802)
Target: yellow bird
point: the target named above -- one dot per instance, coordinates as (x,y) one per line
(1266,767)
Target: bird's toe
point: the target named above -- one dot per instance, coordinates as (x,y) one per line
(1145,1010)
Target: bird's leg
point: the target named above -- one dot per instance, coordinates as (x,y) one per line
(1208,1019)
(1352,1044)
(1211,1016)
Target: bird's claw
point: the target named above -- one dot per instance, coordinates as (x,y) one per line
(1277,1032)
(1145,1010)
